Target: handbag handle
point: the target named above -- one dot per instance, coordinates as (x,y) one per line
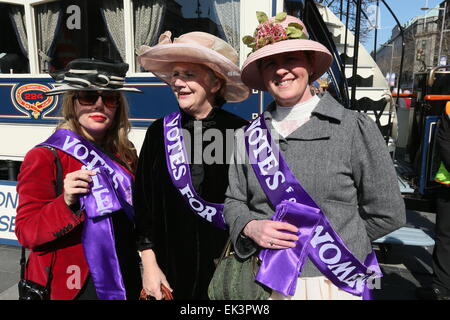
(227,250)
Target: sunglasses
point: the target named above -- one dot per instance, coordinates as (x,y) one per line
(88,98)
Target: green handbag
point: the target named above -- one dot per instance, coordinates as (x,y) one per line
(234,278)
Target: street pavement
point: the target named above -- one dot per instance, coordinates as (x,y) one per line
(9,271)
(404,267)
(407,267)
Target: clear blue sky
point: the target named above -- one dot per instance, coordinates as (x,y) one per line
(404,10)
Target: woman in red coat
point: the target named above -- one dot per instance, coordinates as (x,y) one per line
(83,237)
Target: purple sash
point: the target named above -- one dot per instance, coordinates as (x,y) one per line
(178,166)
(317,239)
(110,192)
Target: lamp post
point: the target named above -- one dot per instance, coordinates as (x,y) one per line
(392,55)
(442,25)
(426,8)
(442,30)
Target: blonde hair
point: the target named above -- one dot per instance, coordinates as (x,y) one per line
(116,137)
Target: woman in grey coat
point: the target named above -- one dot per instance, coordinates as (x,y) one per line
(338,156)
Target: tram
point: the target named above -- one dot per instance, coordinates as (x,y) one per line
(42,36)
(38,37)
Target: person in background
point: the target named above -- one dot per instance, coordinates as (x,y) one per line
(180,186)
(315,88)
(440,287)
(84,237)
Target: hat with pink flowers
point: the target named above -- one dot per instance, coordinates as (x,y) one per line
(280,34)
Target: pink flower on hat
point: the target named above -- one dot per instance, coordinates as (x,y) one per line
(271,31)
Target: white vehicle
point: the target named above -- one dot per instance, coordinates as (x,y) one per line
(42,36)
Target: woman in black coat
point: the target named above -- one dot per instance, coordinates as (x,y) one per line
(178,242)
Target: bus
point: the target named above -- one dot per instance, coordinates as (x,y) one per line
(42,36)
(39,37)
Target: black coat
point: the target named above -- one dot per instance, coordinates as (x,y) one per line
(185,244)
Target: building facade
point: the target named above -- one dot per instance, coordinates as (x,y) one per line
(422,41)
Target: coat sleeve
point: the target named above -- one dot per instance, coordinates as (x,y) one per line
(41,215)
(380,202)
(142,192)
(236,211)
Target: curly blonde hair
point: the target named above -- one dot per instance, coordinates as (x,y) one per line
(116,137)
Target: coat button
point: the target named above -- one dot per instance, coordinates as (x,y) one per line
(283,146)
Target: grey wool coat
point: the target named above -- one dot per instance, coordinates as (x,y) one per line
(341,160)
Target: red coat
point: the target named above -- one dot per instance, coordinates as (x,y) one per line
(44,223)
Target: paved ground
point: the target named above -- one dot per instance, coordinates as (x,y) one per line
(9,272)
(404,268)
(407,267)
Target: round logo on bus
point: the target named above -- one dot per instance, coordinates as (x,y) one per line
(30,98)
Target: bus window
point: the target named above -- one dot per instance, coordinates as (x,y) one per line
(13,42)
(153,17)
(293,8)
(71,29)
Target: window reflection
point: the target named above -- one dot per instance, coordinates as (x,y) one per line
(13,41)
(218,17)
(71,29)
(293,8)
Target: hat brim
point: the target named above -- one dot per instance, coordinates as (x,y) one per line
(160,58)
(63,88)
(321,62)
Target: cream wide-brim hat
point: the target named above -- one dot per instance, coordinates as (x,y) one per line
(322,58)
(201,48)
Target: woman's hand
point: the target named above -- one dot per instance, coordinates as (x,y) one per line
(272,234)
(152,277)
(76,183)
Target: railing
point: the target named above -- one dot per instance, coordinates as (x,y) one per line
(319,31)
(401,34)
(357,26)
